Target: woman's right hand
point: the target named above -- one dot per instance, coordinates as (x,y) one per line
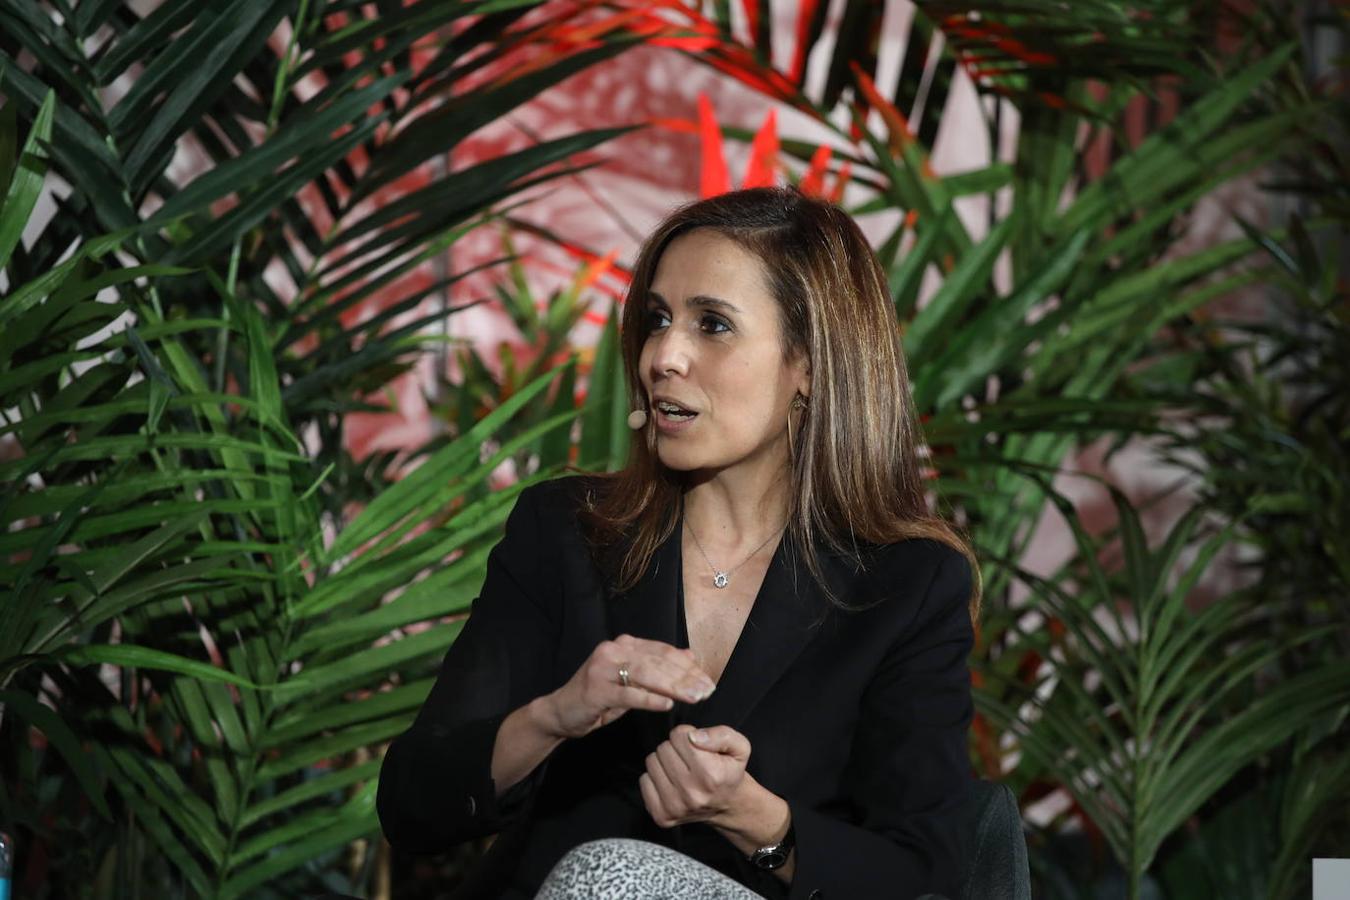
(658,675)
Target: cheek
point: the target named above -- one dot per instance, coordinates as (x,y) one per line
(751,389)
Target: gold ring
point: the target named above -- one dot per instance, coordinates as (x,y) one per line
(623,675)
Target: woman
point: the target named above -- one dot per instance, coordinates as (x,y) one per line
(750,644)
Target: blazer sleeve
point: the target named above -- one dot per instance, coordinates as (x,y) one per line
(436,787)
(909,770)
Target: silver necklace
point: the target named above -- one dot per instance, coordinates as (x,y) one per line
(723,578)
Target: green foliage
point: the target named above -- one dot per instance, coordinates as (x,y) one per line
(180,512)
(1139,706)
(282,214)
(544,330)
(214,615)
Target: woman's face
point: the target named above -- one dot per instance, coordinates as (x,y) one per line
(714,349)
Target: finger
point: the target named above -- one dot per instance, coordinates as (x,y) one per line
(674,765)
(635,697)
(721,739)
(652,800)
(622,663)
(669,672)
(606,688)
(670,797)
(708,769)
(694,758)
(651,675)
(691,784)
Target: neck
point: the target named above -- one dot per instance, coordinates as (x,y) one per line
(736,512)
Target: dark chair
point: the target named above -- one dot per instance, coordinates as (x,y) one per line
(998,850)
(998,857)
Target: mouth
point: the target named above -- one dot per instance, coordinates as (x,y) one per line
(673,412)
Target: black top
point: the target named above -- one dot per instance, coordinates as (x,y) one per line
(857,719)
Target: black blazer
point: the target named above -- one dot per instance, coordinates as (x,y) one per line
(857,719)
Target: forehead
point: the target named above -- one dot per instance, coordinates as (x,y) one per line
(706,262)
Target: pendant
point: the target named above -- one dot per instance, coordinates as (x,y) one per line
(720,580)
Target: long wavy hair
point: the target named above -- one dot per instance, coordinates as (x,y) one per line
(856,476)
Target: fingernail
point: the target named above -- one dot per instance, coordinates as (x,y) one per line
(694,696)
(699,737)
(667,703)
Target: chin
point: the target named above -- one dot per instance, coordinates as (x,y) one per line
(677,461)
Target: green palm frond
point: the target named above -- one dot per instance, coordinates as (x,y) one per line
(178,511)
(1140,706)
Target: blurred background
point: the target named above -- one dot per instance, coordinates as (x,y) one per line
(296,295)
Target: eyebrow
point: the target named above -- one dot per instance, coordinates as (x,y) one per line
(698,300)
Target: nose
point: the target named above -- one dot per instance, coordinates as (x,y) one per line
(670,355)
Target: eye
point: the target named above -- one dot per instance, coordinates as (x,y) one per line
(714,324)
(657,318)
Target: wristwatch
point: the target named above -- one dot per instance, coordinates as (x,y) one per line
(773,856)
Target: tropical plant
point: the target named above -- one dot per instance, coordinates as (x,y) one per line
(181,513)
(184,580)
(1140,706)
(543,340)
(308,124)
(228,761)
(195,561)
(1265,444)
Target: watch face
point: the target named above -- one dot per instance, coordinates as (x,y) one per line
(770,858)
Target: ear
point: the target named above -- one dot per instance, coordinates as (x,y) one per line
(801,369)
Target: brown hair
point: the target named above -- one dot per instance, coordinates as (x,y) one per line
(856,474)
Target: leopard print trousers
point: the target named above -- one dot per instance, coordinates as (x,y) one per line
(623,869)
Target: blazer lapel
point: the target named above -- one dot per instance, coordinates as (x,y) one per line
(786,614)
(648,610)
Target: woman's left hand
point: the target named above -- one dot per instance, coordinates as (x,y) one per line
(696,776)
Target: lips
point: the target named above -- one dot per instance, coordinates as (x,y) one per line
(672,417)
(674,410)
